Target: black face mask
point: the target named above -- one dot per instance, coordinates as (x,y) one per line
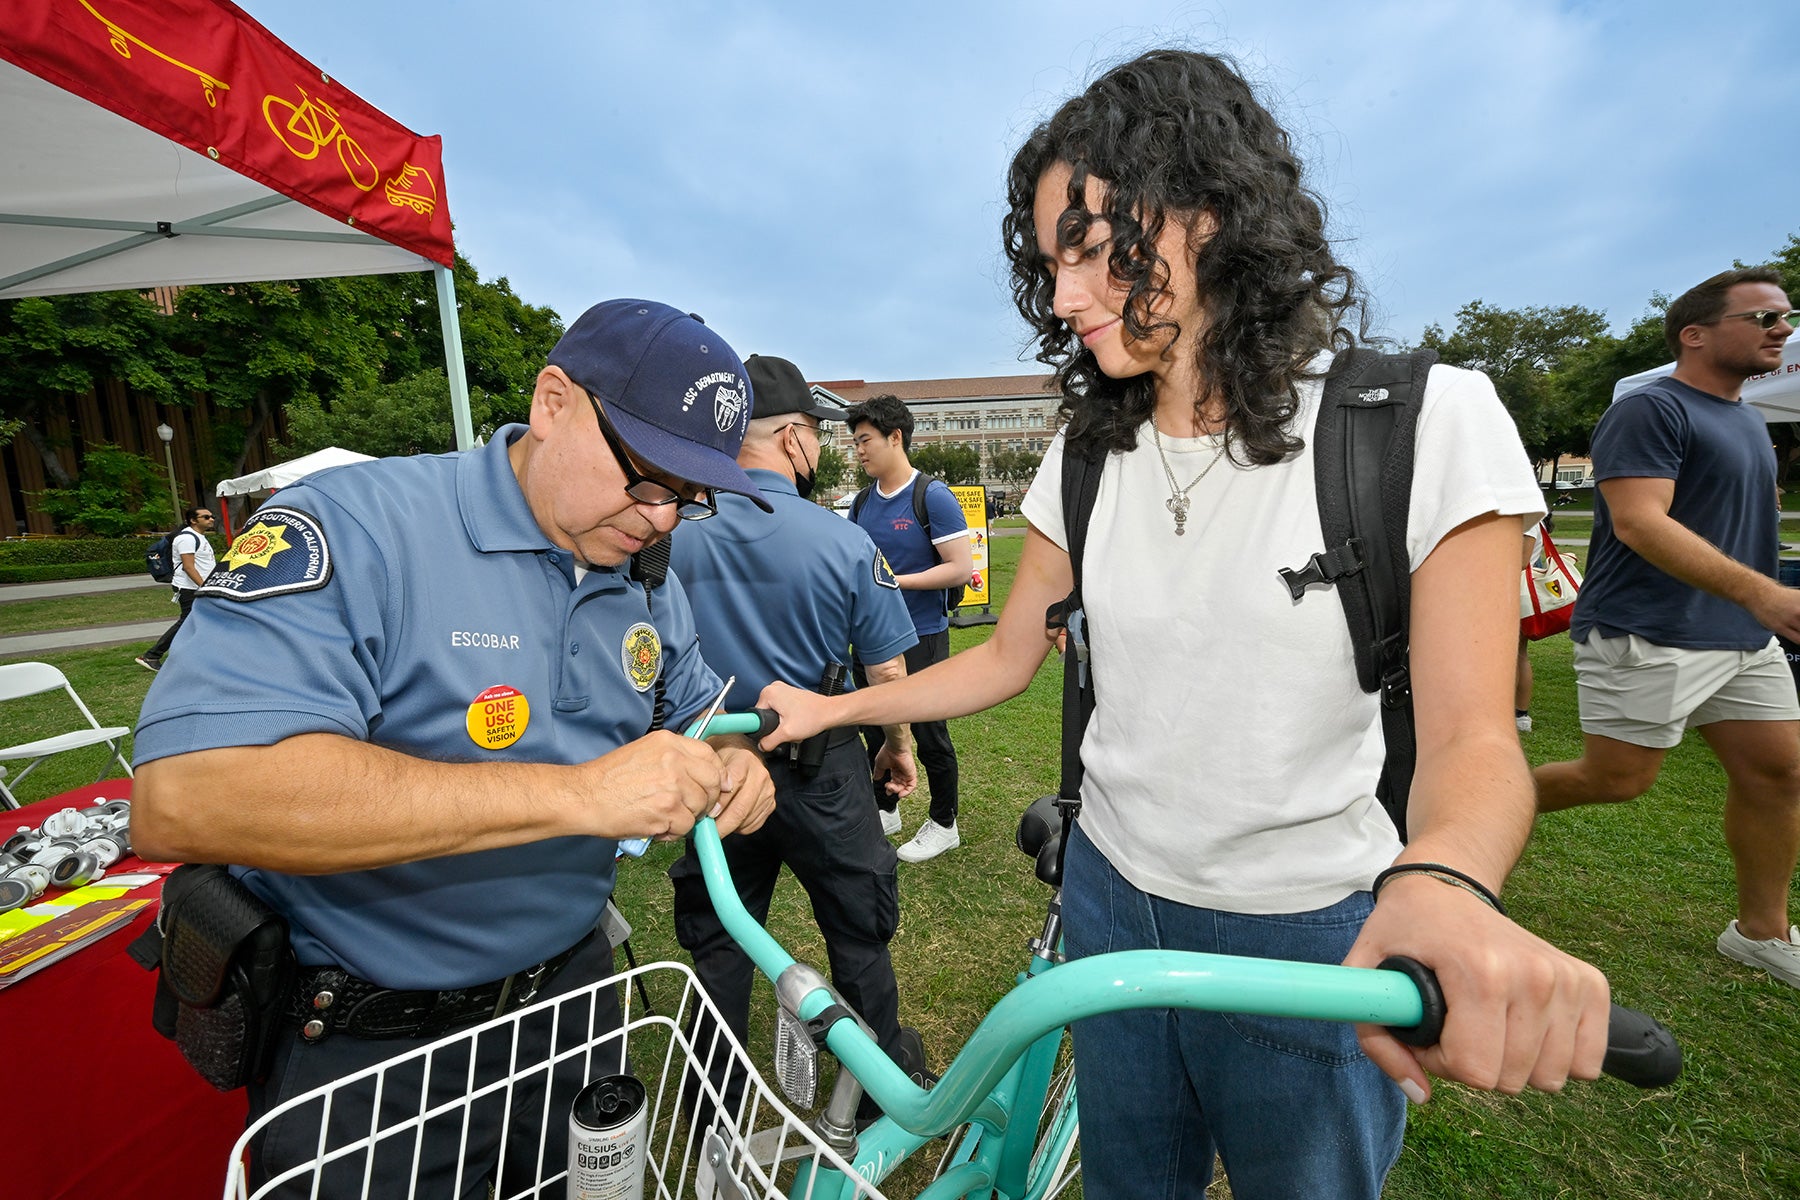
(803,481)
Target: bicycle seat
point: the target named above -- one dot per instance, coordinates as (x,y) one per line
(1040,837)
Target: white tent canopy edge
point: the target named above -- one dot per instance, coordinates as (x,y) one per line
(1776,393)
(91,202)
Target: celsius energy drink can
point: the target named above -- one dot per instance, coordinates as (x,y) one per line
(608,1128)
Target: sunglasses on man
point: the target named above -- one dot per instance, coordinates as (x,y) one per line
(1763,318)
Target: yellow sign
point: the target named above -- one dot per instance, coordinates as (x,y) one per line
(498,717)
(256,546)
(974,506)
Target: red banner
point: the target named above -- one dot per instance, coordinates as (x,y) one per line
(205,74)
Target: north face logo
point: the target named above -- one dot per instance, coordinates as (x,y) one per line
(1372,396)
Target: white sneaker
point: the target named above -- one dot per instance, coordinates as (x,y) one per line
(1523,721)
(931,840)
(1780,958)
(890,821)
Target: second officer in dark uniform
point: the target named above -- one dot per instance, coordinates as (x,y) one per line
(787,596)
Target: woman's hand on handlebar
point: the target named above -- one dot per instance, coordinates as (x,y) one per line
(802,713)
(1520,1012)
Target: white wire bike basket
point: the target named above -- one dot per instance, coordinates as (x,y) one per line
(485,1112)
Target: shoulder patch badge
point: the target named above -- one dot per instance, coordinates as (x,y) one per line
(282,551)
(884,574)
(641,652)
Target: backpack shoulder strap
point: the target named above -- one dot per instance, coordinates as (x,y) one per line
(1363,468)
(861,498)
(1080,486)
(921,512)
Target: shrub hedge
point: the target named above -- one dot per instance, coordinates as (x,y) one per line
(38,560)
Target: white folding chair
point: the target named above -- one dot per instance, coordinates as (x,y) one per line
(18,680)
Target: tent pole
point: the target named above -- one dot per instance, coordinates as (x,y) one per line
(453,358)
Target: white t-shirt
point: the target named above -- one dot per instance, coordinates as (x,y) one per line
(1231,761)
(189,541)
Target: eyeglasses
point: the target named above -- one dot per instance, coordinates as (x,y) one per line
(696,506)
(1764,318)
(806,425)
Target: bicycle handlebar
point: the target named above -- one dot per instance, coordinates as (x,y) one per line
(1401,994)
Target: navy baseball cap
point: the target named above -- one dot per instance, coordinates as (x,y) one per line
(781,389)
(673,389)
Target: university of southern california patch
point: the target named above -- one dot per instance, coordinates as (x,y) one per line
(282,551)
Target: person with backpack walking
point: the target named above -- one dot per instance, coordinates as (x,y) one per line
(194,561)
(1176,272)
(921,531)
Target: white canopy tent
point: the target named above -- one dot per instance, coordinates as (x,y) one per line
(259,483)
(178,142)
(1776,393)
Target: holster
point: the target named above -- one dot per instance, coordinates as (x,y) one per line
(226,971)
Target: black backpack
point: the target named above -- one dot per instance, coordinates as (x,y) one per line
(1363,468)
(159,559)
(953,598)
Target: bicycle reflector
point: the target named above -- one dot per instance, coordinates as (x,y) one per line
(796,1059)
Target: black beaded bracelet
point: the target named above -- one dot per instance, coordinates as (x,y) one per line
(1442,874)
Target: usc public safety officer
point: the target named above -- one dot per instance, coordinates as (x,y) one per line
(425,716)
(787,596)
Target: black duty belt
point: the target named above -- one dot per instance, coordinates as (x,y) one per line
(330,1000)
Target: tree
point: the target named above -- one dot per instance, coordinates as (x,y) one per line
(952,462)
(834,470)
(55,347)
(1015,466)
(411,416)
(1518,349)
(1581,386)
(119,494)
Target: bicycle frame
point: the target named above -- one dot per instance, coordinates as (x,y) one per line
(1010,1056)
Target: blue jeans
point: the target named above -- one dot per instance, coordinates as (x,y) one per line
(1292,1106)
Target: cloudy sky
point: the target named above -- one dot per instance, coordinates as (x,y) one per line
(822,180)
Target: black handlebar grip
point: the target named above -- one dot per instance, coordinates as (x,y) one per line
(1639,1049)
(769,718)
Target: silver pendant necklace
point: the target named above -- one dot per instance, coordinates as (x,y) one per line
(1177,503)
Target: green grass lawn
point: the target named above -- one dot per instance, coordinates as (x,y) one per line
(72,612)
(1641,890)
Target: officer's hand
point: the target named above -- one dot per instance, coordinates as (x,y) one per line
(895,770)
(654,787)
(746,793)
(802,713)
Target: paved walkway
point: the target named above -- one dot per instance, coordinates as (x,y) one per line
(89,635)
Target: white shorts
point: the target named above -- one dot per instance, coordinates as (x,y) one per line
(1636,691)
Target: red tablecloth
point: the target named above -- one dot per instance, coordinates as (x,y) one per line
(103,1106)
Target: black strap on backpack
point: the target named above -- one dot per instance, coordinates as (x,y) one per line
(1363,470)
(1080,485)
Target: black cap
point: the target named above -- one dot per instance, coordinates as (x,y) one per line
(778,388)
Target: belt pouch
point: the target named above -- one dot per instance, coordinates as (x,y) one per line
(227,967)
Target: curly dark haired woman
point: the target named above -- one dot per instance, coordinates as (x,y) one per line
(1177,275)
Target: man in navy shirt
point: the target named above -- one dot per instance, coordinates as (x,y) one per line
(1673,627)
(786,596)
(926,567)
(431,709)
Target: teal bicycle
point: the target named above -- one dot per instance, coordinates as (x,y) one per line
(1006,1104)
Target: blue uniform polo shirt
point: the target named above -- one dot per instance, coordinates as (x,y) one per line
(414,603)
(890,520)
(778,595)
(1718,453)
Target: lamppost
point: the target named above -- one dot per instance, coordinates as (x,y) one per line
(168,436)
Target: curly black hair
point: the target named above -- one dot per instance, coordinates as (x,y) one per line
(1168,136)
